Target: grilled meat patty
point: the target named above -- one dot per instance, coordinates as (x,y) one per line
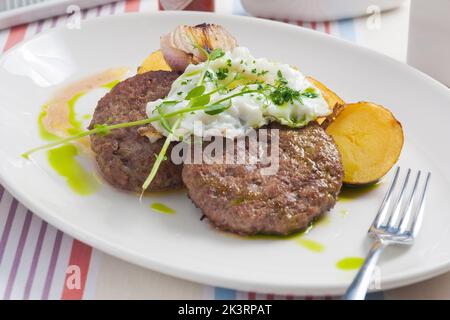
(124,156)
(239,199)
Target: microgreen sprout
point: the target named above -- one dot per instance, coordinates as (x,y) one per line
(161,157)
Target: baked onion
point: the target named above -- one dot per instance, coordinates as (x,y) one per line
(181,47)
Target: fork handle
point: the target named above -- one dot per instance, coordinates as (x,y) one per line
(360,285)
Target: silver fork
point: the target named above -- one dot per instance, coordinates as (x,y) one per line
(394,225)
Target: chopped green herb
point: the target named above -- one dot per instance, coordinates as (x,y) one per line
(310,93)
(262,73)
(209,75)
(222,73)
(229,62)
(284,94)
(281,81)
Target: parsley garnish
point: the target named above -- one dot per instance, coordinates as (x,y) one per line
(263,72)
(310,93)
(222,73)
(284,94)
(209,75)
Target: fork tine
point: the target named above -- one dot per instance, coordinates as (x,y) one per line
(393,219)
(386,202)
(406,218)
(420,209)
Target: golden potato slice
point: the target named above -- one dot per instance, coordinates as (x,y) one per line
(330,97)
(369,139)
(154,62)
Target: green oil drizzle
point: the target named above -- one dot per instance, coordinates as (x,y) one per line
(311,245)
(77,125)
(111,85)
(350,263)
(43,132)
(298,237)
(343,213)
(162,208)
(63,161)
(351,193)
(324,220)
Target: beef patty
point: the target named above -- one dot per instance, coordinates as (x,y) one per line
(124,156)
(238,198)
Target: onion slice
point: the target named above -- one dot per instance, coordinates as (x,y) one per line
(180,46)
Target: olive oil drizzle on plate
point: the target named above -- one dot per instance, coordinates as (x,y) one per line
(63,160)
(162,208)
(299,237)
(350,263)
(58,119)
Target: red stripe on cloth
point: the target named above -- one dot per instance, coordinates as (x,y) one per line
(77,270)
(16,34)
(314,25)
(251,296)
(132,5)
(289,297)
(270,297)
(300,23)
(327,27)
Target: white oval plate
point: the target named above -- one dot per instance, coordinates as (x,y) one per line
(181,245)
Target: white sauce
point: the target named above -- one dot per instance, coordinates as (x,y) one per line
(247,111)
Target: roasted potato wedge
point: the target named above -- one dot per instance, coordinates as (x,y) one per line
(369,139)
(330,97)
(154,62)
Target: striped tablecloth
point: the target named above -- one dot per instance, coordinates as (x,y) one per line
(38,261)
